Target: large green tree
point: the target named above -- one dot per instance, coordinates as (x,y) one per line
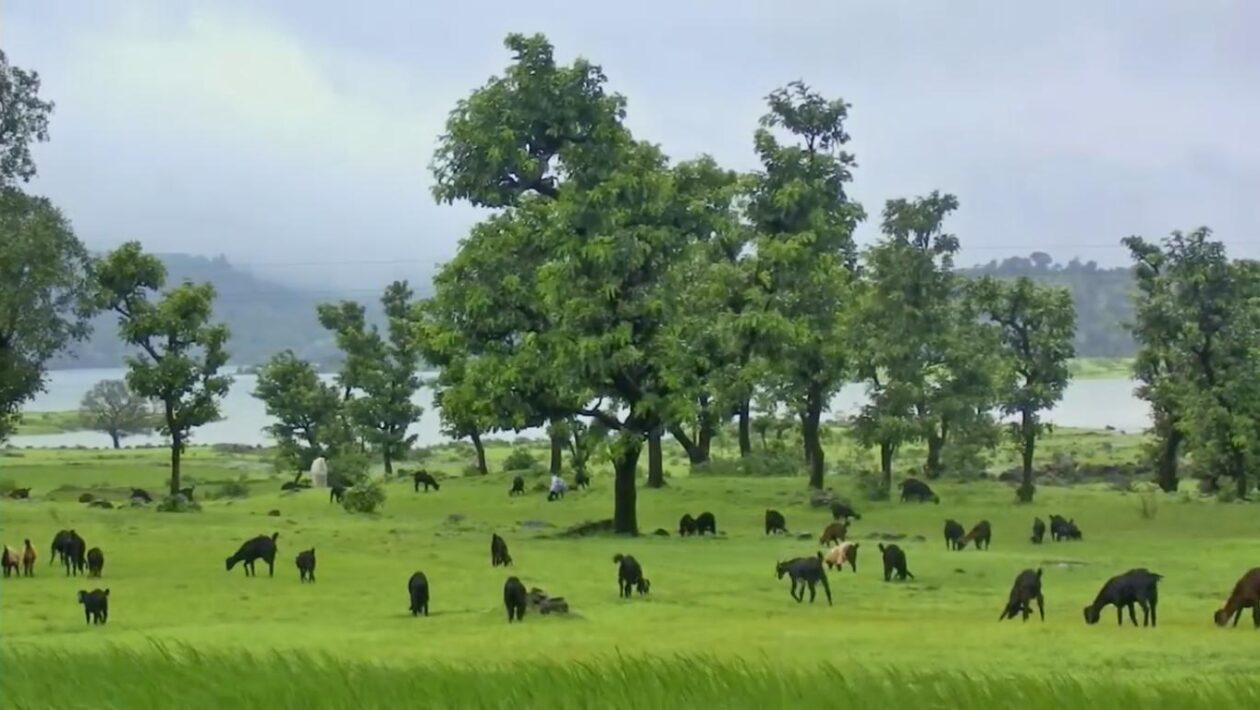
(806,257)
(23,121)
(181,349)
(45,296)
(305,409)
(1035,330)
(111,407)
(380,374)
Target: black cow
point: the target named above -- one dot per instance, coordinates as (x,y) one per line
(515,599)
(499,551)
(954,531)
(629,575)
(95,562)
(418,591)
(422,478)
(306,565)
(518,487)
(706,522)
(1027,588)
(912,489)
(775,522)
(95,605)
(1137,586)
(259,548)
(894,562)
(805,571)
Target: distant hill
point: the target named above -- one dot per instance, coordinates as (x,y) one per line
(264,317)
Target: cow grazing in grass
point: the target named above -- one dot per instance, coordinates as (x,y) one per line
(336,493)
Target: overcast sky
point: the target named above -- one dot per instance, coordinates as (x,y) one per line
(295,137)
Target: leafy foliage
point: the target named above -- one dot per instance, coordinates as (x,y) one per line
(110,406)
(23,121)
(365,497)
(305,409)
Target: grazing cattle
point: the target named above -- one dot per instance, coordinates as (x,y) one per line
(1246,594)
(912,489)
(581,480)
(187,493)
(141,494)
(336,493)
(20,493)
(981,534)
(259,548)
(418,592)
(95,562)
(1039,531)
(422,478)
(10,561)
(629,575)
(954,531)
(894,562)
(840,511)
(73,550)
(518,487)
(28,559)
(804,571)
(686,525)
(835,533)
(775,522)
(498,551)
(706,522)
(838,555)
(306,565)
(1137,586)
(95,605)
(1027,588)
(514,599)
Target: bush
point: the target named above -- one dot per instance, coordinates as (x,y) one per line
(365,497)
(870,485)
(759,463)
(471,470)
(520,460)
(233,489)
(1226,494)
(348,469)
(7,486)
(178,504)
(86,497)
(1148,506)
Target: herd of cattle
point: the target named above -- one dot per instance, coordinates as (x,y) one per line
(1129,590)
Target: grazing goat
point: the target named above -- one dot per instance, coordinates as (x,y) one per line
(954,531)
(1062,529)
(514,599)
(1027,588)
(95,605)
(20,493)
(581,480)
(840,511)
(1137,586)
(73,549)
(498,551)
(95,562)
(912,489)
(894,562)
(518,487)
(58,546)
(629,575)
(1039,531)
(775,522)
(1246,594)
(706,521)
(10,561)
(423,478)
(804,571)
(981,534)
(686,525)
(28,559)
(142,494)
(306,565)
(336,493)
(418,592)
(835,533)
(259,548)
(838,555)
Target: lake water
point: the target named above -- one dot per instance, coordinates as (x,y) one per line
(1087,403)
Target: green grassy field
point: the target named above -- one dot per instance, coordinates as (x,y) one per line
(715,604)
(36,423)
(1096,368)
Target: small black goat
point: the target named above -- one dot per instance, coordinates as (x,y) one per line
(95,562)
(95,605)
(423,478)
(1038,531)
(706,522)
(686,525)
(629,575)
(515,599)
(306,565)
(1137,586)
(518,487)
(499,551)
(73,552)
(912,489)
(259,548)
(954,531)
(981,534)
(1027,588)
(804,571)
(841,511)
(336,493)
(418,592)
(894,563)
(775,522)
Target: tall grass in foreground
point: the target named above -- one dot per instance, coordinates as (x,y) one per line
(164,677)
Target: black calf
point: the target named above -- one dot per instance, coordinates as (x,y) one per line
(1137,586)
(805,571)
(686,525)
(514,599)
(775,522)
(422,478)
(1038,531)
(912,489)
(306,565)
(95,562)
(706,522)
(73,550)
(418,591)
(894,562)
(499,551)
(518,487)
(840,511)
(629,575)
(336,493)
(954,531)
(95,605)
(259,548)
(1027,588)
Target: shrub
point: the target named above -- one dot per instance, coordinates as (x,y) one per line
(759,463)
(870,485)
(1226,494)
(520,460)
(86,497)
(348,469)
(233,489)
(365,497)
(1148,506)
(7,486)
(178,504)
(471,470)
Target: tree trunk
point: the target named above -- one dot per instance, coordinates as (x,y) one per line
(745,425)
(694,453)
(1167,466)
(813,436)
(887,451)
(625,518)
(481,453)
(113,435)
(1026,488)
(177,450)
(557,454)
(656,465)
(935,443)
(389,462)
(704,437)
